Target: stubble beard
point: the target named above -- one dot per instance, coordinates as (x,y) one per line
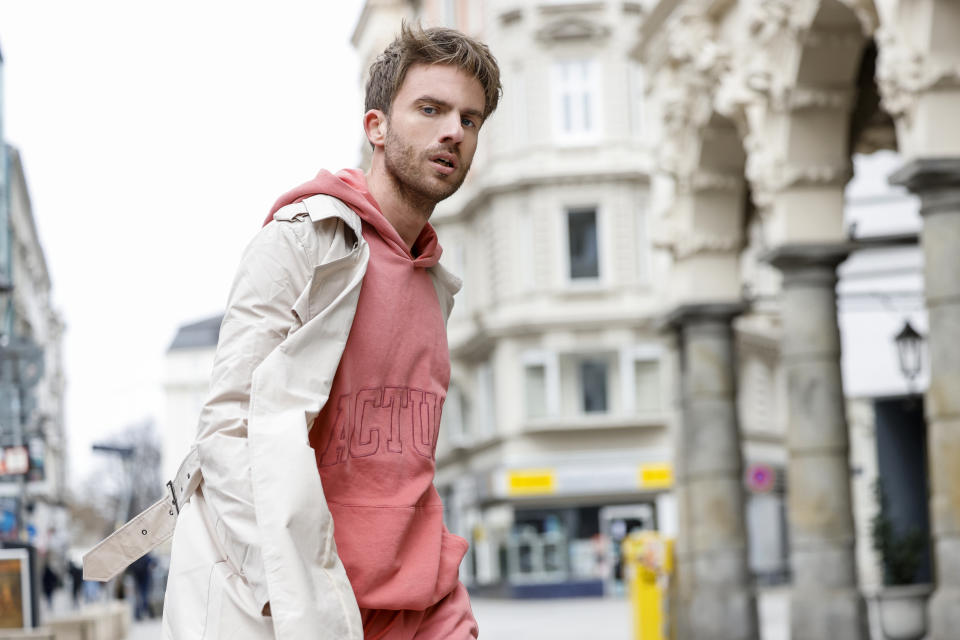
(412,176)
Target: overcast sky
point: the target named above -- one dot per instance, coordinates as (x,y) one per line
(155,136)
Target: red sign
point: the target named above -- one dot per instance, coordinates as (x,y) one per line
(760,477)
(14,461)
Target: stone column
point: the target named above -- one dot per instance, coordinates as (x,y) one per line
(719,603)
(825,600)
(937,182)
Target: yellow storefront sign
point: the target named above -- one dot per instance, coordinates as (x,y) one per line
(531,482)
(655,476)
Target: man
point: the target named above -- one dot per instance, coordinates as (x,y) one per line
(308,356)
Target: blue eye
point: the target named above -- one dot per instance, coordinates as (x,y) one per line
(467,122)
(429,110)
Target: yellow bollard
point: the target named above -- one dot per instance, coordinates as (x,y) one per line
(648,558)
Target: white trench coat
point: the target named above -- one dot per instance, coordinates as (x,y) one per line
(253,524)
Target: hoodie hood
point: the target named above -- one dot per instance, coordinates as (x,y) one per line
(350,187)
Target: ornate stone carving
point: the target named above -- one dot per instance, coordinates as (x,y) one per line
(685,244)
(769,18)
(510,17)
(692,62)
(701,180)
(780,31)
(903,73)
(768,175)
(798,98)
(572,28)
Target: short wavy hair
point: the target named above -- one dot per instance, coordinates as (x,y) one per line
(437,45)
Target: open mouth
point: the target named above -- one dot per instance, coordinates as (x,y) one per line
(445,163)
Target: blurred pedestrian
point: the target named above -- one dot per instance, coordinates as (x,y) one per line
(50,582)
(142,571)
(91,591)
(76,582)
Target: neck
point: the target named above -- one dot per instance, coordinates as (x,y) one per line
(408,212)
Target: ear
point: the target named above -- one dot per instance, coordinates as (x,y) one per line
(375,126)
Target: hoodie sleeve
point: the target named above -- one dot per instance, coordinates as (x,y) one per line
(274,270)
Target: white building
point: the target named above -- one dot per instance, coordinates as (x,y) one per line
(32,381)
(556,424)
(650,240)
(186,385)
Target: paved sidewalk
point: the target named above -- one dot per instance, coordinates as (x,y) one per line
(565,619)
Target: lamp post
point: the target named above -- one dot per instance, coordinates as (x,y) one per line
(910,353)
(126,455)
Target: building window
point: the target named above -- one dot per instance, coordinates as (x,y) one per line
(518,106)
(536,390)
(541,384)
(456,416)
(583,244)
(455,260)
(640,379)
(647,386)
(576,97)
(593,386)
(484,413)
(450,13)
(636,84)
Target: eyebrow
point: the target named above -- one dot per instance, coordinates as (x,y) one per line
(447,105)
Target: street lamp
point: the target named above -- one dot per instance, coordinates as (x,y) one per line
(909,351)
(126,456)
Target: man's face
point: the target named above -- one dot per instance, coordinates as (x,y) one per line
(432,131)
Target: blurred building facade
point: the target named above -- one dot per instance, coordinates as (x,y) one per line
(33,489)
(556,426)
(768,109)
(678,214)
(186,383)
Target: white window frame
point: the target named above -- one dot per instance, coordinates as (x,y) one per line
(518,107)
(562,84)
(527,260)
(564,244)
(451,13)
(628,374)
(643,253)
(455,252)
(483,409)
(608,409)
(550,361)
(457,421)
(636,87)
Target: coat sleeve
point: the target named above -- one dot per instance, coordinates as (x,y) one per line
(273,271)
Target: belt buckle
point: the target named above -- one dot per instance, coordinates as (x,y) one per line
(173,496)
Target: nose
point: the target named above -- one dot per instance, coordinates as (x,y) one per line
(452,128)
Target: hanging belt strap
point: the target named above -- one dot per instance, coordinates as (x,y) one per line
(146,531)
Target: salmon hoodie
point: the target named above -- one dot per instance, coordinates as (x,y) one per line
(376,437)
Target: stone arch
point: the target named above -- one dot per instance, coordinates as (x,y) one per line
(872,127)
(707,218)
(798,149)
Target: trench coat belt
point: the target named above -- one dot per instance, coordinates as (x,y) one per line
(146,531)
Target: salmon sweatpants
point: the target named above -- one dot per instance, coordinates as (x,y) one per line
(450,619)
